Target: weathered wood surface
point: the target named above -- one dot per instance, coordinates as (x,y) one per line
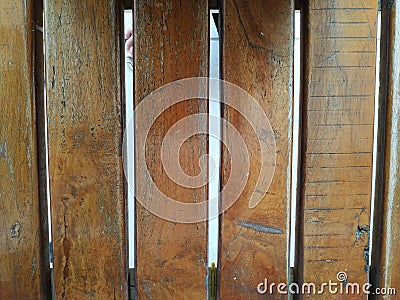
(171,42)
(337,117)
(85,124)
(23,271)
(257,56)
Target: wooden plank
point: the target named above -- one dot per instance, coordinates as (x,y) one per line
(40,101)
(344,160)
(171,43)
(385,264)
(336,172)
(23,269)
(342,5)
(258,57)
(85,122)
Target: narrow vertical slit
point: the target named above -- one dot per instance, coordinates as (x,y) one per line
(48,202)
(129,166)
(377,125)
(130,142)
(214,151)
(41,120)
(379,147)
(295,145)
(46,157)
(299,171)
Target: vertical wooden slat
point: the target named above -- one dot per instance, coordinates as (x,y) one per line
(85,122)
(337,139)
(257,56)
(39,75)
(171,43)
(22,266)
(385,260)
(376,267)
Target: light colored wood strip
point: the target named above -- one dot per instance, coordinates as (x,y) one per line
(85,126)
(258,57)
(23,271)
(334,203)
(171,43)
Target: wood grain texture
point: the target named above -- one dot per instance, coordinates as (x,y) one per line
(23,271)
(388,245)
(85,125)
(337,139)
(257,56)
(171,43)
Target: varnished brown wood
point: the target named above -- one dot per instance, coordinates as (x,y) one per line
(337,139)
(85,124)
(171,43)
(23,271)
(258,57)
(385,260)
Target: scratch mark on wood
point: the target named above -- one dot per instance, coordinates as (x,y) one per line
(86,292)
(323,260)
(245,30)
(331,56)
(4,153)
(259,227)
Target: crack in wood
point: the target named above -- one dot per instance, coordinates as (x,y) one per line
(259,227)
